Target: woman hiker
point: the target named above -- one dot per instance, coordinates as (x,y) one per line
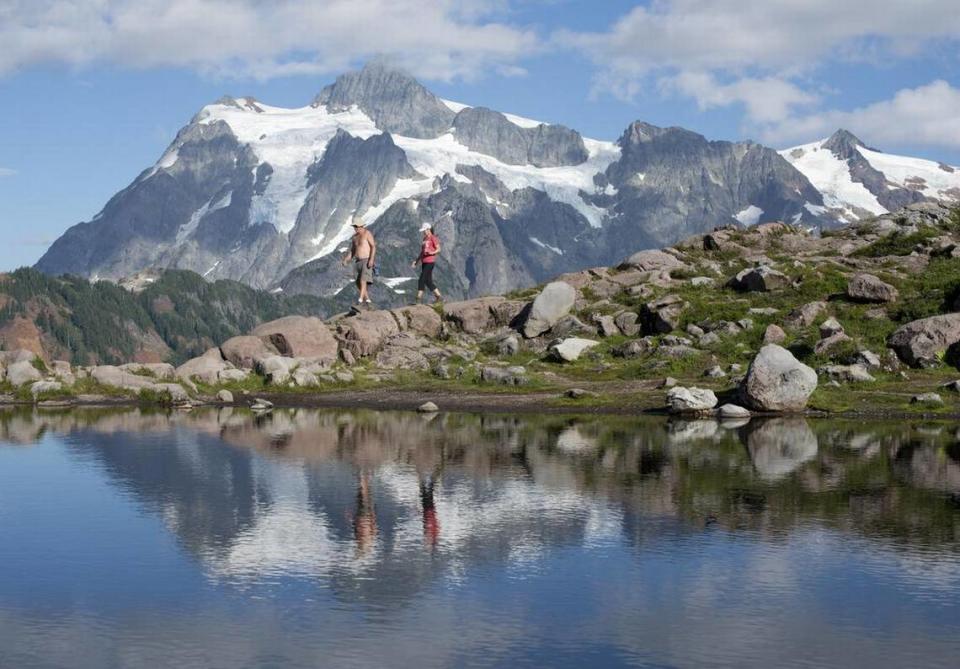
(429,250)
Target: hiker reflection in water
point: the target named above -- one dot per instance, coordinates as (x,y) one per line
(365,520)
(431,526)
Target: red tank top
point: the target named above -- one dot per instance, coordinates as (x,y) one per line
(428,250)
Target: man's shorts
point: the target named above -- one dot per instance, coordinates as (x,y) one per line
(364,273)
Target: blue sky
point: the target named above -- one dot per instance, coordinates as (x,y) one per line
(92,91)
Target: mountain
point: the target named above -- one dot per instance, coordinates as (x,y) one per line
(264,195)
(857,181)
(167,316)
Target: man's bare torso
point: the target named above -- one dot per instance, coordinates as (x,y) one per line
(360,245)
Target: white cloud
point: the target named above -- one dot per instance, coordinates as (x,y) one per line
(437,39)
(759,53)
(926,115)
(7,172)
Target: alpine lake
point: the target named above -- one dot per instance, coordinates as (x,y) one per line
(327,538)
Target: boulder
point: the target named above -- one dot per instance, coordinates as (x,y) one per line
(733,411)
(578,393)
(570,325)
(953,386)
(571,349)
(39,387)
(690,400)
(827,343)
(232,375)
(428,407)
(364,334)
(926,398)
(634,348)
(553,303)
(774,334)
(277,368)
(662,315)
(304,378)
(805,316)
(23,372)
(300,337)
(419,319)
(715,372)
(508,345)
(830,327)
(206,368)
(402,354)
(17,355)
(651,260)
(759,279)
(606,326)
(868,359)
(511,376)
(846,373)
(246,351)
(63,371)
(776,381)
(225,396)
(472,316)
(868,288)
(920,343)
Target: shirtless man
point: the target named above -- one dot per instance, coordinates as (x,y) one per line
(363,253)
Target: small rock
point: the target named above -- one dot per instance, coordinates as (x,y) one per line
(709,339)
(260,404)
(45,387)
(577,393)
(735,368)
(762,311)
(715,372)
(830,327)
(759,279)
(347,357)
(694,330)
(733,411)
(628,322)
(634,348)
(508,345)
(868,359)
(225,396)
(804,316)
(514,376)
(571,349)
(699,281)
(926,398)
(344,377)
(745,323)
(847,373)
(953,386)
(830,342)
(428,407)
(668,382)
(691,400)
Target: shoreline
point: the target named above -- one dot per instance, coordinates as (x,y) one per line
(546,403)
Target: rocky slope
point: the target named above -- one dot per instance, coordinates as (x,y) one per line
(768,319)
(263,194)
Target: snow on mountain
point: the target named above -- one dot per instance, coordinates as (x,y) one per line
(936,180)
(831,176)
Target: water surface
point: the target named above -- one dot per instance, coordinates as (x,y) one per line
(367,539)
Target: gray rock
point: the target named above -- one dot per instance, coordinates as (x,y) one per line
(762,311)
(805,316)
(553,303)
(694,330)
(363,334)
(300,337)
(920,343)
(277,369)
(662,315)
(304,378)
(39,387)
(650,260)
(569,326)
(733,411)
(628,323)
(701,281)
(606,327)
(846,373)
(225,396)
(926,398)
(830,327)
(715,372)
(745,323)
(22,373)
(344,377)
(759,279)
(571,349)
(774,334)
(709,339)
(63,371)
(157,370)
(260,404)
(867,288)
(668,382)
(578,393)
(513,376)
(952,386)
(206,368)
(634,348)
(508,345)
(776,381)
(868,359)
(428,407)
(690,400)
(828,343)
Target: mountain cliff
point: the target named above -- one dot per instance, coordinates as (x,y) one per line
(264,195)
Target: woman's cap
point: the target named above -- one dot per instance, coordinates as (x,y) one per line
(426,226)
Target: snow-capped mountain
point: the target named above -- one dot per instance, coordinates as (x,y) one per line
(857,181)
(264,194)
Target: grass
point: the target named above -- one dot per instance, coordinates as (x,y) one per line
(897,243)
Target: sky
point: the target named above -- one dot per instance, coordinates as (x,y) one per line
(92,91)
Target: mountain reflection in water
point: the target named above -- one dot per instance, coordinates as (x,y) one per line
(301,538)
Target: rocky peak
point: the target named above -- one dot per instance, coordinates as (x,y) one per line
(395,101)
(843,144)
(492,133)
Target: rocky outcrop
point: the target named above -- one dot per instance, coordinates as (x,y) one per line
(209,368)
(920,343)
(492,133)
(691,400)
(22,372)
(363,334)
(245,351)
(776,381)
(553,303)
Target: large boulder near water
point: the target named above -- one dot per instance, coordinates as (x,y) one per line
(299,337)
(864,287)
(22,373)
(363,334)
(920,343)
(776,381)
(553,303)
(207,368)
(691,400)
(246,351)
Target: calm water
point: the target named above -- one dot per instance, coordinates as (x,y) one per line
(372,539)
